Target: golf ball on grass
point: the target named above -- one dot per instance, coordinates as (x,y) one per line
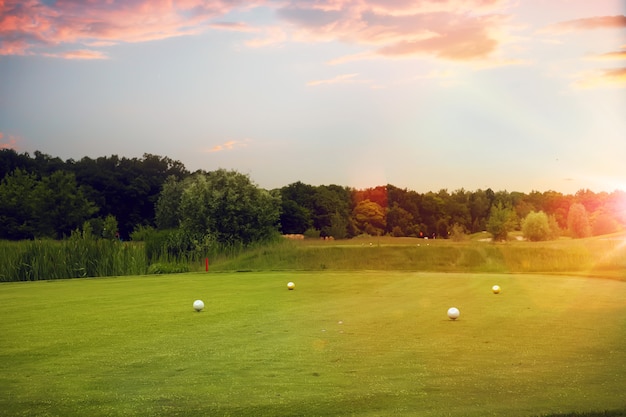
(453,313)
(198,305)
(496,289)
(291,285)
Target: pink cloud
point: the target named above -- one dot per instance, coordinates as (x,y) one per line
(589,23)
(31,27)
(233,26)
(79,54)
(452,30)
(9,142)
(227,146)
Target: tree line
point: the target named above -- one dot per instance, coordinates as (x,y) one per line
(45,197)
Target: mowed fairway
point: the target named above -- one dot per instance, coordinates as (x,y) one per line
(340,344)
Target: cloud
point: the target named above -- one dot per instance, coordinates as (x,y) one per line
(227,146)
(451,30)
(233,26)
(589,23)
(272,35)
(79,54)
(613,55)
(9,142)
(612,77)
(34,27)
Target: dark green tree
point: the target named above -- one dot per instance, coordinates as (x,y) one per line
(297,206)
(18,205)
(61,206)
(327,202)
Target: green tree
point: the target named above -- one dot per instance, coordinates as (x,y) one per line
(110,228)
(18,205)
(167,210)
(536,227)
(228,208)
(501,221)
(294,218)
(399,221)
(297,207)
(61,205)
(578,221)
(328,201)
(338,226)
(369,218)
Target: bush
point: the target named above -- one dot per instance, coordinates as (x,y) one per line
(458,233)
(536,226)
(312,233)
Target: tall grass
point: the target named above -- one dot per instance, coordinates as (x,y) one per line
(73,258)
(76,257)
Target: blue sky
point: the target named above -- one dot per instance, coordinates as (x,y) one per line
(510,95)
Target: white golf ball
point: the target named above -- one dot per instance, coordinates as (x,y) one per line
(198,305)
(496,289)
(453,313)
(291,285)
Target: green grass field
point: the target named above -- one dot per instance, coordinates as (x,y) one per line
(366,343)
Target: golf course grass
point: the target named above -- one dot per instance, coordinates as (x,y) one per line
(353,343)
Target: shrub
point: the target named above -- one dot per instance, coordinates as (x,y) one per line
(312,233)
(501,222)
(536,227)
(458,233)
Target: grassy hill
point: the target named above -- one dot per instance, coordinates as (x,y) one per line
(603,256)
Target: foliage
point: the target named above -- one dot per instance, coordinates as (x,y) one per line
(329,202)
(110,230)
(458,233)
(578,221)
(536,227)
(44,196)
(76,257)
(603,224)
(369,218)
(141,233)
(297,207)
(228,208)
(48,207)
(338,226)
(167,211)
(312,233)
(501,221)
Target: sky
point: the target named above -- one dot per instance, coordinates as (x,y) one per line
(521,95)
